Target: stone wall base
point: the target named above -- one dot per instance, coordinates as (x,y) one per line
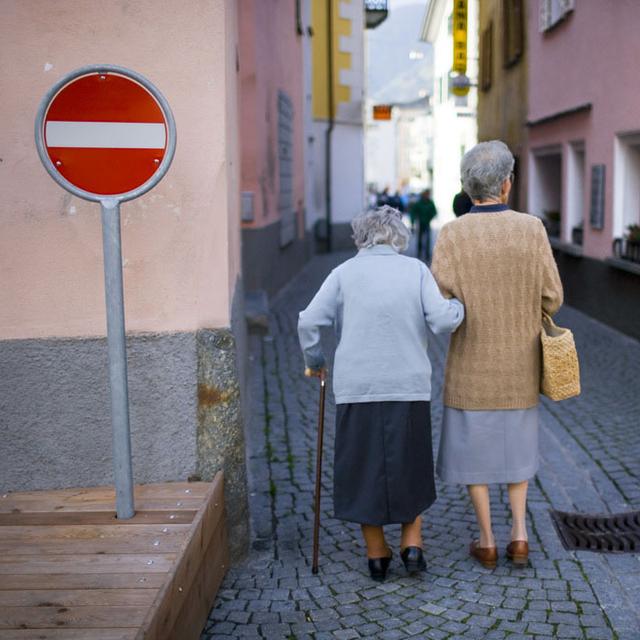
(185,406)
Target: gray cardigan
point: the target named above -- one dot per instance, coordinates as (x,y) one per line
(380,304)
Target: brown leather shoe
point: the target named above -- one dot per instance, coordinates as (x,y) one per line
(518,552)
(486,556)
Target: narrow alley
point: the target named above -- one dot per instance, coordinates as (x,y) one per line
(589,449)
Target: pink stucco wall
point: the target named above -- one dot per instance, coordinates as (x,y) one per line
(269,42)
(180,241)
(592,57)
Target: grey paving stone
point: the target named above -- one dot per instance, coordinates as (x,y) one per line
(346,634)
(540,628)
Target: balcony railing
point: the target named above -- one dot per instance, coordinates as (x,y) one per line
(627,249)
(376,12)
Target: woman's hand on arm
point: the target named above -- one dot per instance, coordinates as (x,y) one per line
(443,311)
(443,315)
(552,294)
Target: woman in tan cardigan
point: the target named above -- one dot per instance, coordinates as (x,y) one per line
(499,264)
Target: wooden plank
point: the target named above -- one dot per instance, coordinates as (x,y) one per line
(148,504)
(180,586)
(78,597)
(149,497)
(95,517)
(71,617)
(116,563)
(195,611)
(82,581)
(68,634)
(59,539)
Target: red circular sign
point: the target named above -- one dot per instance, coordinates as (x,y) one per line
(105,133)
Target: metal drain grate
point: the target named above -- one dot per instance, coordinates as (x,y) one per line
(616,533)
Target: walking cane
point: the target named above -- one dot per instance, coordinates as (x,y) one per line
(316,522)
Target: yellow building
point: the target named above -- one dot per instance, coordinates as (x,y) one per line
(335,144)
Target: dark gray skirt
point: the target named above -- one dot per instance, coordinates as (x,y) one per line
(383,462)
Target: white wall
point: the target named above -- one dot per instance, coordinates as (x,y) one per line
(576,190)
(347,172)
(545,182)
(454,127)
(380,153)
(626,196)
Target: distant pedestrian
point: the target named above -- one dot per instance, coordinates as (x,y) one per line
(422,212)
(398,202)
(461,203)
(380,304)
(384,198)
(499,263)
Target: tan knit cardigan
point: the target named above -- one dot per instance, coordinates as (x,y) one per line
(500,265)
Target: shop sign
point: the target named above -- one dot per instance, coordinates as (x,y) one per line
(382,111)
(460,36)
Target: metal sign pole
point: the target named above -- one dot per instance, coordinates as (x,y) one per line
(144,99)
(110,209)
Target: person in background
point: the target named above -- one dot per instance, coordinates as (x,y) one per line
(397,202)
(461,203)
(384,197)
(499,264)
(380,304)
(422,212)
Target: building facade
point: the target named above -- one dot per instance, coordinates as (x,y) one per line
(584,150)
(336,145)
(502,82)
(454,117)
(399,150)
(272,136)
(181,260)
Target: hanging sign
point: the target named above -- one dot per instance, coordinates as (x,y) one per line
(460,36)
(382,112)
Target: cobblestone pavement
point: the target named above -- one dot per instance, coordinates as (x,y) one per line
(590,462)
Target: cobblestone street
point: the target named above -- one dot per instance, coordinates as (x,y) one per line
(590,453)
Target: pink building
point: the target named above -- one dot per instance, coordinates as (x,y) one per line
(583,159)
(181,259)
(275,245)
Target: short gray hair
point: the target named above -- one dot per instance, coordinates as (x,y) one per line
(484,168)
(380,226)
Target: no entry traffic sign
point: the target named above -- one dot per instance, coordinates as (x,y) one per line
(105,131)
(106,134)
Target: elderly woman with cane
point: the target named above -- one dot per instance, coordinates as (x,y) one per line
(380,304)
(499,263)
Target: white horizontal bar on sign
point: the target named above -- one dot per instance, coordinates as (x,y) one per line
(106,135)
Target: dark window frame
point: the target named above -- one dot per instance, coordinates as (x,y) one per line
(513,20)
(486,58)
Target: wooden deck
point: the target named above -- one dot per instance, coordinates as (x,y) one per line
(69,569)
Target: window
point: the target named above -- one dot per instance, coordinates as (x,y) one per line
(486,58)
(512,13)
(285,164)
(554,11)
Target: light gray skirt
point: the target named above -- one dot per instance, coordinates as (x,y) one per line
(483,447)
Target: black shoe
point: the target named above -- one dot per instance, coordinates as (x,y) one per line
(378,568)
(413,559)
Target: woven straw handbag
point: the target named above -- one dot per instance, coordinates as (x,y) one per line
(560,377)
